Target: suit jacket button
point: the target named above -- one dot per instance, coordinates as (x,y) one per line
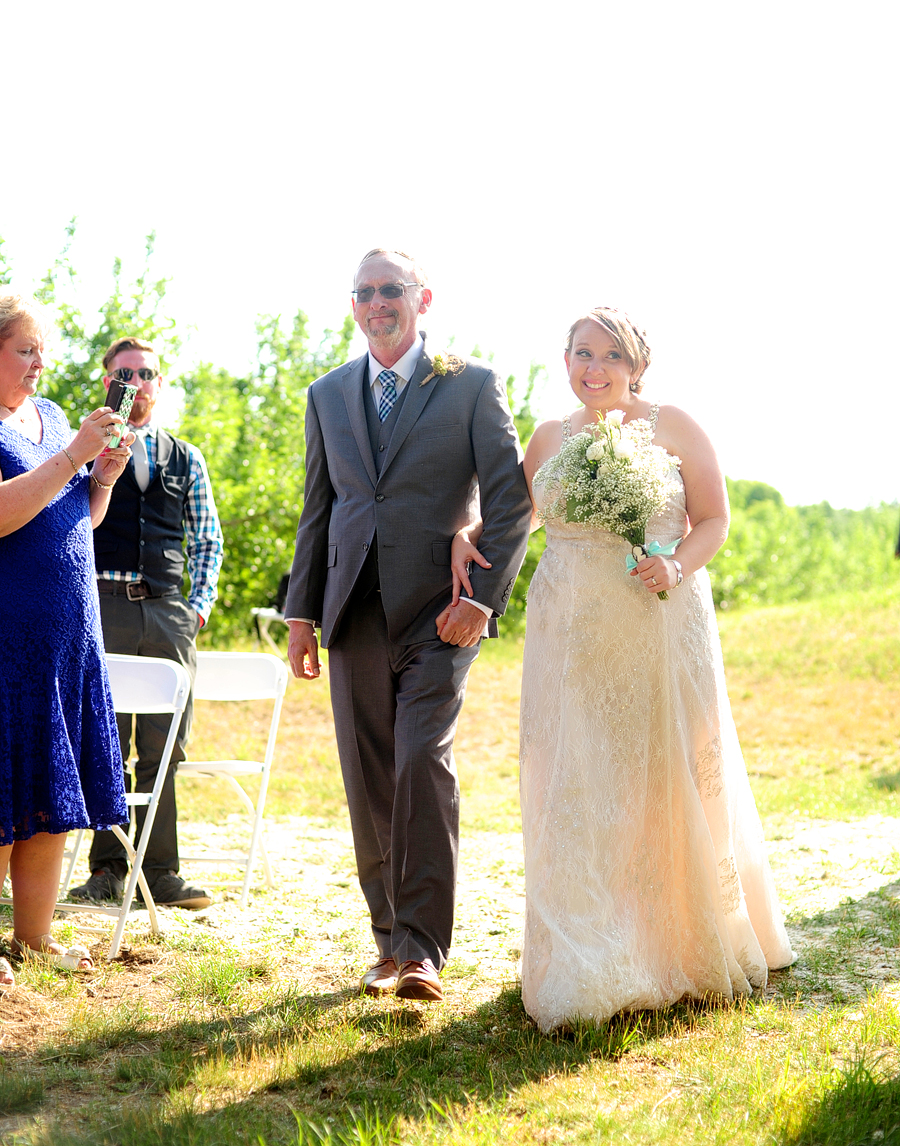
(365,546)
(379,497)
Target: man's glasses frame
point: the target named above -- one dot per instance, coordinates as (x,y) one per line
(126,373)
(389,290)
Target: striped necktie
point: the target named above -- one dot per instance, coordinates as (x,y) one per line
(388,380)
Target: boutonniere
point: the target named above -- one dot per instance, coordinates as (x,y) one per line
(443,364)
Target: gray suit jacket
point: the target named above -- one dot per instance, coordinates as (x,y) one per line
(454,442)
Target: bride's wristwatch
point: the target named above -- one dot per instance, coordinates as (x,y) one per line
(677,565)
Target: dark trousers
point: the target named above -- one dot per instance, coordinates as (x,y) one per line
(395,712)
(155,627)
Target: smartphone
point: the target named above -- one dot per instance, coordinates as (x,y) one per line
(120,398)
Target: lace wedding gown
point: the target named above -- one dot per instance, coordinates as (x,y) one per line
(646,875)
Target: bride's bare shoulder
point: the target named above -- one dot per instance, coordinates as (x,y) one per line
(544,443)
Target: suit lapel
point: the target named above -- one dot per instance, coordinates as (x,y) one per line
(355,386)
(413,405)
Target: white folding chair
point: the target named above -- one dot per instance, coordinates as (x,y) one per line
(138,684)
(236,677)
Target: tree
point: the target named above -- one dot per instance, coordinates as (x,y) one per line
(251,432)
(74,378)
(250,429)
(525,420)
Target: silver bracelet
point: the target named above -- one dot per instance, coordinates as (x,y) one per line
(677,565)
(71,459)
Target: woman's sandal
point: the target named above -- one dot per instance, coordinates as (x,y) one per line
(7,979)
(69,960)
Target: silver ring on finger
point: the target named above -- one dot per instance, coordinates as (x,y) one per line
(108,432)
(653,581)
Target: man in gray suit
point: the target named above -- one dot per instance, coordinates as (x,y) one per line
(403,448)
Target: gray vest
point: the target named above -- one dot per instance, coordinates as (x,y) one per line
(380,432)
(379,439)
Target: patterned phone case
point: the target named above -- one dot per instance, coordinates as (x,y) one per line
(124,408)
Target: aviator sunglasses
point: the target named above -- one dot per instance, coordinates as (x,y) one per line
(389,290)
(125,374)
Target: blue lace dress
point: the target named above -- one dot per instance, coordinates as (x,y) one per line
(60,762)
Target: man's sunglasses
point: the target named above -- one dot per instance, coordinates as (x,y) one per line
(389,290)
(125,374)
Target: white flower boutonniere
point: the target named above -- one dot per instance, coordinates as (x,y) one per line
(441,365)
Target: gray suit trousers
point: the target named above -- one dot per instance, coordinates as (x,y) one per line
(395,714)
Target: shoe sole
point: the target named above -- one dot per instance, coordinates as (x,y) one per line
(423,991)
(190,904)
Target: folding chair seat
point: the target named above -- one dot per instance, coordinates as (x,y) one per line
(138,684)
(240,677)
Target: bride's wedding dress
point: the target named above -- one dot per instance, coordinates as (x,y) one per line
(646,874)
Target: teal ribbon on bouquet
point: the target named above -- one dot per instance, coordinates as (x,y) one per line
(652,550)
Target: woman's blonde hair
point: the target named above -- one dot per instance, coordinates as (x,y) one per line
(630,340)
(19,308)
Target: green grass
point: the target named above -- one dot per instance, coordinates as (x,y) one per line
(202,1040)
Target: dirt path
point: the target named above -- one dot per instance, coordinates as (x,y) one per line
(817,864)
(316,915)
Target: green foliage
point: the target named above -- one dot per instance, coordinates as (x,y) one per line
(74,378)
(523,416)
(514,618)
(19,1091)
(251,432)
(742,493)
(513,621)
(861,1105)
(776,553)
(5,269)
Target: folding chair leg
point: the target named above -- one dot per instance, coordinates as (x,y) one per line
(256,841)
(136,879)
(70,867)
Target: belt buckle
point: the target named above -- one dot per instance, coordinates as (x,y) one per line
(136,590)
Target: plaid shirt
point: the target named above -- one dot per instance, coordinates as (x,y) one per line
(205,545)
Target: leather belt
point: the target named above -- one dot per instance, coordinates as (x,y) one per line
(133,590)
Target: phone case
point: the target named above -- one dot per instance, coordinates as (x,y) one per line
(123,408)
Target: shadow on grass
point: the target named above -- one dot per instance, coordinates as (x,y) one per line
(861,1108)
(352,1070)
(339,1069)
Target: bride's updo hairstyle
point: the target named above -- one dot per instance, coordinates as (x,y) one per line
(630,340)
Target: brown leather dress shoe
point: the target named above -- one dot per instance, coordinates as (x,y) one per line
(419,980)
(380,979)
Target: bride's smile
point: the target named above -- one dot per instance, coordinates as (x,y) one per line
(598,373)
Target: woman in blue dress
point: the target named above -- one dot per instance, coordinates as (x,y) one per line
(60,763)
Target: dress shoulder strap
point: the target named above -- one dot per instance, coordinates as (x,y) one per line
(566,427)
(654,414)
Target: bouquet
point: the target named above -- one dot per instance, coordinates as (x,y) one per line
(613,477)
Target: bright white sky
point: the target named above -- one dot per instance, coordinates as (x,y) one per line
(725,171)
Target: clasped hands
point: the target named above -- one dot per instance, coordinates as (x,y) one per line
(462,623)
(459,624)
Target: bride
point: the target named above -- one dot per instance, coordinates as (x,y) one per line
(646,876)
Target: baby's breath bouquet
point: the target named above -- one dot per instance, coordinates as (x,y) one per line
(611,476)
